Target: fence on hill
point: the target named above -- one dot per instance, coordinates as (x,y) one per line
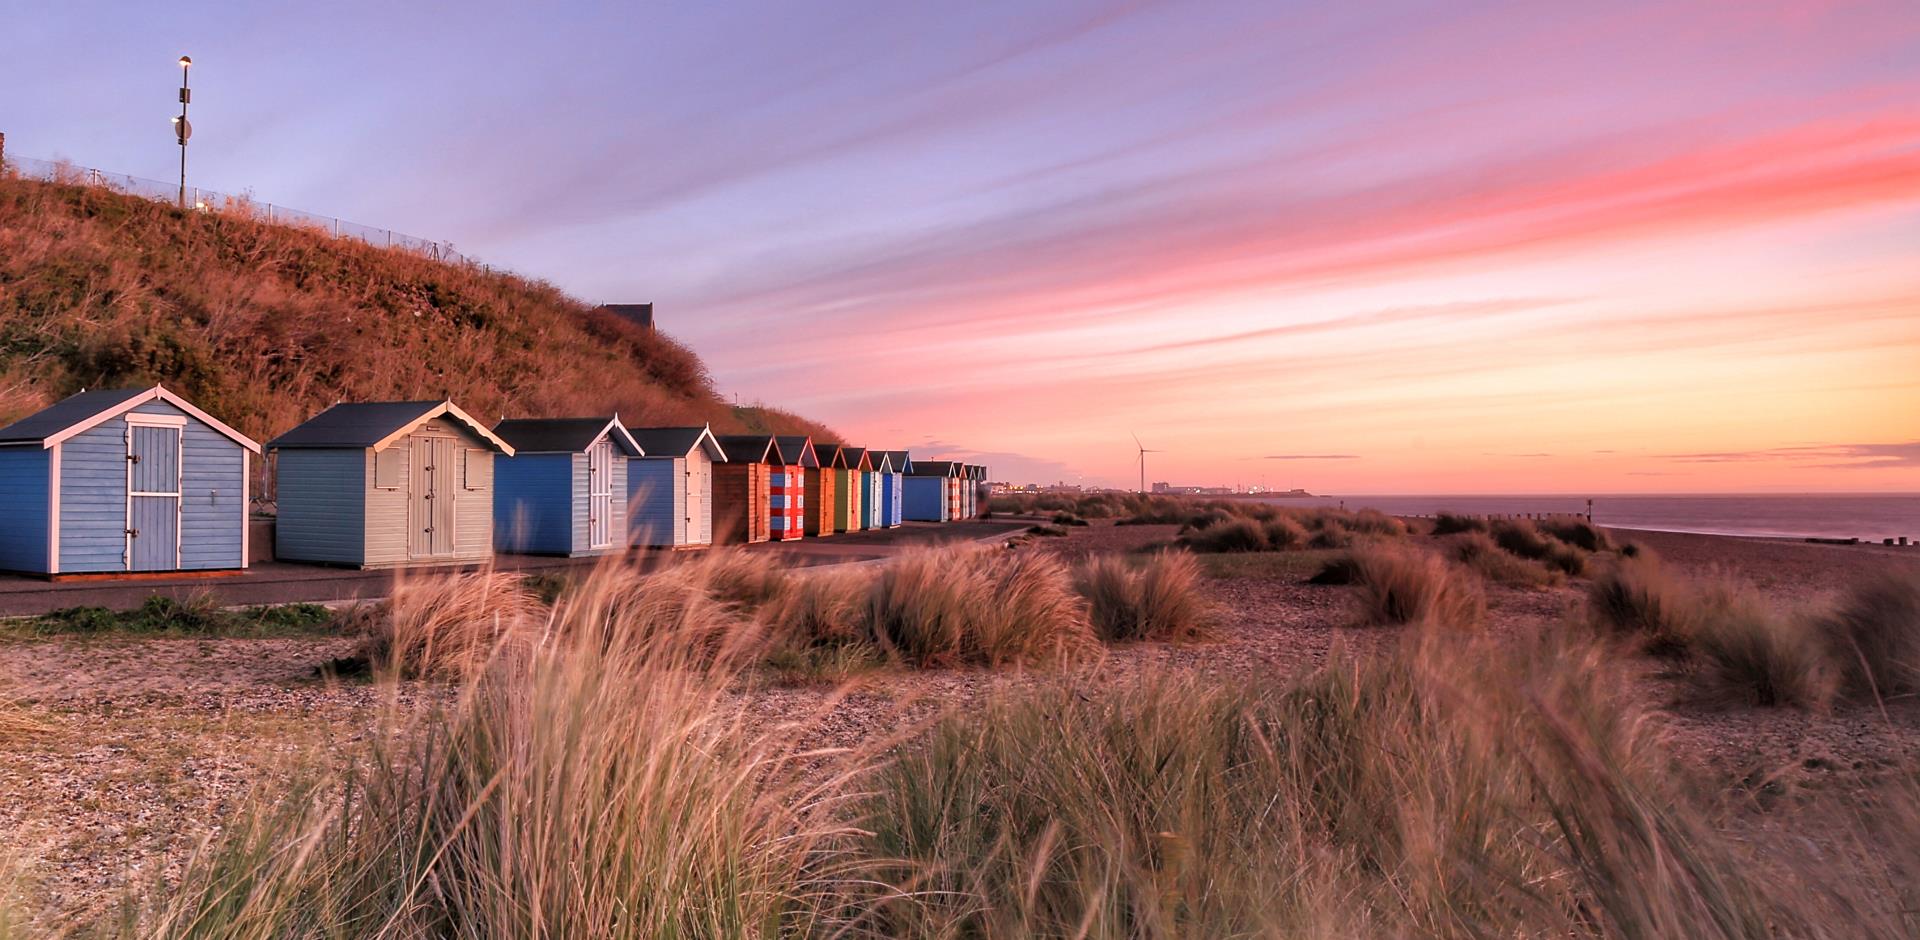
(207,200)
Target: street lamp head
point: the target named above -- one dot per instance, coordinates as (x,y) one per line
(185,61)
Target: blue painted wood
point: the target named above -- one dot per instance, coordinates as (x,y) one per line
(657,501)
(890,499)
(24,493)
(206,467)
(322,495)
(532,504)
(925,499)
(154,471)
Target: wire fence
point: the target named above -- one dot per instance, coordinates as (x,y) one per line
(207,200)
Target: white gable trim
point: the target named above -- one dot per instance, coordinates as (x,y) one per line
(451,410)
(156,393)
(53,509)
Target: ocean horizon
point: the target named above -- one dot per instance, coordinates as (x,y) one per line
(1866,516)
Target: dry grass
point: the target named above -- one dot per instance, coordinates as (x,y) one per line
(605,782)
(449,626)
(1523,538)
(1397,585)
(1479,552)
(1448,789)
(1638,599)
(1747,651)
(265,325)
(1157,599)
(1228,535)
(1874,637)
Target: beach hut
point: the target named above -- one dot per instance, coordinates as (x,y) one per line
(822,482)
(789,484)
(381,484)
(928,492)
(670,490)
(564,490)
(890,486)
(743,488)
(849,510)
(876,507)
(981,490)
(133,479)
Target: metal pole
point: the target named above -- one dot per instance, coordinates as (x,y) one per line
(184,130)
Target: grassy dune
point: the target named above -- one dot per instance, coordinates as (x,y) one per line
(593,774)
(265,325)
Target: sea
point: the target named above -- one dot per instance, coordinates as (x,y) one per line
(1869,517)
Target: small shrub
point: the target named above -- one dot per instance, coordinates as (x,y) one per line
(1206,519)
(1873,636)
(1237,535)
(1330,534)
(1283,534)
(1375,522)
(821,608)
(944,606)
(1637,598)
(1067,518)
(1579,533)
(1477,551)
(1398,586)
(1051,531)
(1748,652)
(1522,538)
(1158,600)
(1448,523)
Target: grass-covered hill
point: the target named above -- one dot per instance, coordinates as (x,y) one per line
(264,325)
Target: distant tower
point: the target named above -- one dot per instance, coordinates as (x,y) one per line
(634,313)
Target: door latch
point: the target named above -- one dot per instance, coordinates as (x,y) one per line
(133,533)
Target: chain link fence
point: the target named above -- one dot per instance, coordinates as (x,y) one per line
(207,200)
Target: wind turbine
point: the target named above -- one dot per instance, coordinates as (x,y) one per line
(1144,451)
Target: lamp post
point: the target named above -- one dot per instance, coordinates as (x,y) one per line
(181,129)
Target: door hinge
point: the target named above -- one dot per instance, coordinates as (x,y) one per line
(133,458)
(133,533)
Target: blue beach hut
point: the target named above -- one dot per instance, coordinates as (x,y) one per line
(928,491)
(564,490)
(132,479)
(383,484)
(670,490)
(876,507)
(890,486)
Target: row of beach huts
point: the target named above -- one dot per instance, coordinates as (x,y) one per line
(140,480)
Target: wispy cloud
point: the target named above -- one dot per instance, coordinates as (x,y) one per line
(1825,456)
(1311,457)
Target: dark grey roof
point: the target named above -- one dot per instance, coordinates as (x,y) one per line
(751,448)
(857,456)
(799,447)
(557,435)
(830,455)
(355,424)
(933,468)
(667,442)
(65,413)
(901,461)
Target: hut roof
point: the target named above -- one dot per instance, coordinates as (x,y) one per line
(902,463)
(78,412)
(935,468)
(751,448)
(857,459)
(678,442)
(375,424)
(798,449)
(831,455)
(881,461)
(565,435)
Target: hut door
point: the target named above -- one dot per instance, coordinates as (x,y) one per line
(430,475)
(153,497)
(600,495)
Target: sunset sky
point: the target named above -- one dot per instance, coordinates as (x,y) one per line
(1379,247)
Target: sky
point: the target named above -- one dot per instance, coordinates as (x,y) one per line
(1475,246)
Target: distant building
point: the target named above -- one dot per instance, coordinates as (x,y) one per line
(635,313)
